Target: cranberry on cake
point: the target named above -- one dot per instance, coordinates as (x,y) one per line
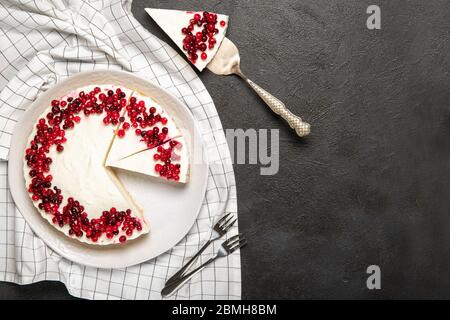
(198,34)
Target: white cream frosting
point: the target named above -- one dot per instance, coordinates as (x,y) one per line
(172,21)
(79,172)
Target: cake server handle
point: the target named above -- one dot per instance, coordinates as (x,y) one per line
(295,122)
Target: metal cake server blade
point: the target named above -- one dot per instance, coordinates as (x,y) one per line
(227,61)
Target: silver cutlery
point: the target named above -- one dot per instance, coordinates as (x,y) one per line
(219,229)
(227,247)
(227,61)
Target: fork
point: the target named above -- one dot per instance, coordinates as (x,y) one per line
(227,247)
(219,229)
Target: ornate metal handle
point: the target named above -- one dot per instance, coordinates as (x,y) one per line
(301,128)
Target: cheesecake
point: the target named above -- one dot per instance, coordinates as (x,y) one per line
(76,148)
(197,33)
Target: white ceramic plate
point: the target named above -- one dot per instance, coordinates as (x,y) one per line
(171,209)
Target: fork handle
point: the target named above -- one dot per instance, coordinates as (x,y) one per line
(295,122)
(178,283)
(191,261)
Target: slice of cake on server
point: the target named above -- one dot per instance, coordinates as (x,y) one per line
(198,33)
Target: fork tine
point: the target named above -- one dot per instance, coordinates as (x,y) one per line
(227,227)
(241,243)
(227,242)
(224,225)
(234,241)
(222,219)
(225,222)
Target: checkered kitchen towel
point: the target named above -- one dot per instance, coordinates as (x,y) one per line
(45,41)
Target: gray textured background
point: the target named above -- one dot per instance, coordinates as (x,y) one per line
(371,184)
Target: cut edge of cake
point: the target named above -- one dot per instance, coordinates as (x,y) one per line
(119,184)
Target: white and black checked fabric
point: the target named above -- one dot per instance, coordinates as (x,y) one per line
(45,41)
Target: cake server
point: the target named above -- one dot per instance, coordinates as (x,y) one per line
(227,62)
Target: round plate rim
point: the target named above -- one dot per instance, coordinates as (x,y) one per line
(13,167)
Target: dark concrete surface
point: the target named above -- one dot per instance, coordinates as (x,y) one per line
(371,183)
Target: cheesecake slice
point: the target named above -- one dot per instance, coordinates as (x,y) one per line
(198,34)
(169,161)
